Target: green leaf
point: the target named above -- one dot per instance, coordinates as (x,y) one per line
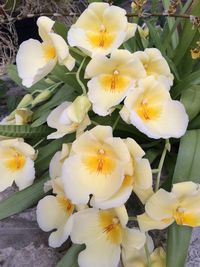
(187,36)
(70,258)
(23,199)
(187,169)
(192,79)
(46,153)
(168,38)
(155,37)
(25,131)
(41,120)
(3,88)
(191,99)
(13,74)
(60,29)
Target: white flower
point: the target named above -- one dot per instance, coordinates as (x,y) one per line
(104,232)
(101,28)
(69,117)
(112,79)
(36,59)
(96,168)
(163,208)
(16,163)
(156,65)
(152,111)
(54,212)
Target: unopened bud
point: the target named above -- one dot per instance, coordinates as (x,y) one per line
(26,100)
(79,108)
(44,95)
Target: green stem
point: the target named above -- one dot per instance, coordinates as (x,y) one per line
(78,78)
(39,142)
(77,51)
(155,171)
(132,218)
(160,166)
(147,255)
(116,122)
(94,122)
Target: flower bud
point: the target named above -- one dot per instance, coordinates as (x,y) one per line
(26,100)
(79,108)
(44,95)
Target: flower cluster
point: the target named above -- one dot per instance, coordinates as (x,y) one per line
(92,178)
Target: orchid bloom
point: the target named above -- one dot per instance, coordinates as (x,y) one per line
(95,169)
(16,163)
(180,206)
(155,65)
(54,211)
(112,79)
(69,117)
(101,28)
(152,111)
(36,59)
(104,232)
(141,178)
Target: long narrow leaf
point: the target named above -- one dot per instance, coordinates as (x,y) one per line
(70,258)
(25,131)
(23,199)
(187,168)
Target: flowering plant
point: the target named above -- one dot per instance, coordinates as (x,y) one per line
(106,105)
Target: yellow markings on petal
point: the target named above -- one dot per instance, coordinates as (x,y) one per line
(100,162)
(49,52)
(15,161)
(114,82)
(186,218)
(66,204)
(148,110)
(110,225)
(101,38)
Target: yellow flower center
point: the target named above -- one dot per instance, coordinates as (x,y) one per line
(66,204)
(186,218)
(101,38)
(111,226)
(147,110)
(16,161)
(114,82)
(100,162)
(49,52)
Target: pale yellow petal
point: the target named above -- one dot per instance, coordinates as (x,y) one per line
(143,174)
(55,166)
(62,51)
(133,239)
(87,229)
(45,26)
(143,194)
(160,205)
(158,257)
(80,183)
(31,53)
(130,31)
(135,150)
(146,223)
(25,177)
